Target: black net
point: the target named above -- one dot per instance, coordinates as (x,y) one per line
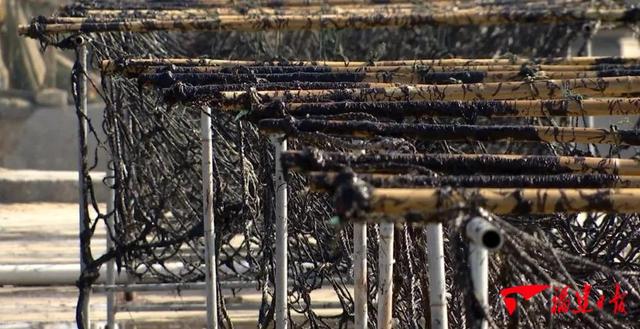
(156,163)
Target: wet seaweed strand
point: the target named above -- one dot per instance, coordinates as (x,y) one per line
(314,22)
(357,202)
(416,109)
(443,132)
(457,164)
(466,109)
(549,89)
(165,79)
(328,181)
(575,63)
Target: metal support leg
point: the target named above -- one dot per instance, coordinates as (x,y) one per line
(437,283)
(209,233)
(280,145)
(111,275)
(360,272)
(385,280)
(81,90)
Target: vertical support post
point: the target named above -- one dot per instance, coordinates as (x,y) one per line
(360,272)
(437,283)
(209,233)
(483,238)
(385,280)
(280,145)
(111,275)
(479,264)
(81,91)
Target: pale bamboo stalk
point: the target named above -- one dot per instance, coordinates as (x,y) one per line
(524,201)
(548,89)
(110,65)
(302,22)
(309,161)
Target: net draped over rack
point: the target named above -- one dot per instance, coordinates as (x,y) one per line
(152,134)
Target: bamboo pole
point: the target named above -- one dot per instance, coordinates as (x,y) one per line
(329,181)
(462,17)
(504,108)
(399,203)
(109,66)
(549,89)
(96,15)
(177,5)
(462,164)
(107,15)
(441,132)
(418,77)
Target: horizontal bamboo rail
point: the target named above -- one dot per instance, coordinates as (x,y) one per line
(420,77)
(459,164)
(548,89)
(479,108)
(239,23)
(412,203)
(176,5)
(81,15)
(537,71)
(568,64)
(442,132)
(329,181)
(112,15)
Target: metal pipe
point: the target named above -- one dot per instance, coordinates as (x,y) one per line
(176,307)
(437,282)
(483,233)
(385,280)
(82,106)
(209,233)
(360,288)
(111,274)
(483,237)
(142,287)
(49,275)
(280,145)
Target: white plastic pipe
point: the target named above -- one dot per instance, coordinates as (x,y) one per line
(385,279)
(209,233)
(437,282)
(111,271)
(49,275)
(280,145)
(360,288)
(483,237)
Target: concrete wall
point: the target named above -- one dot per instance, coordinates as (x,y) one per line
(48,139)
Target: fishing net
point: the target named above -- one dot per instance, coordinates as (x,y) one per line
(156,151)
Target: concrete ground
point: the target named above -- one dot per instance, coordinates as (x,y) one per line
(46,233)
